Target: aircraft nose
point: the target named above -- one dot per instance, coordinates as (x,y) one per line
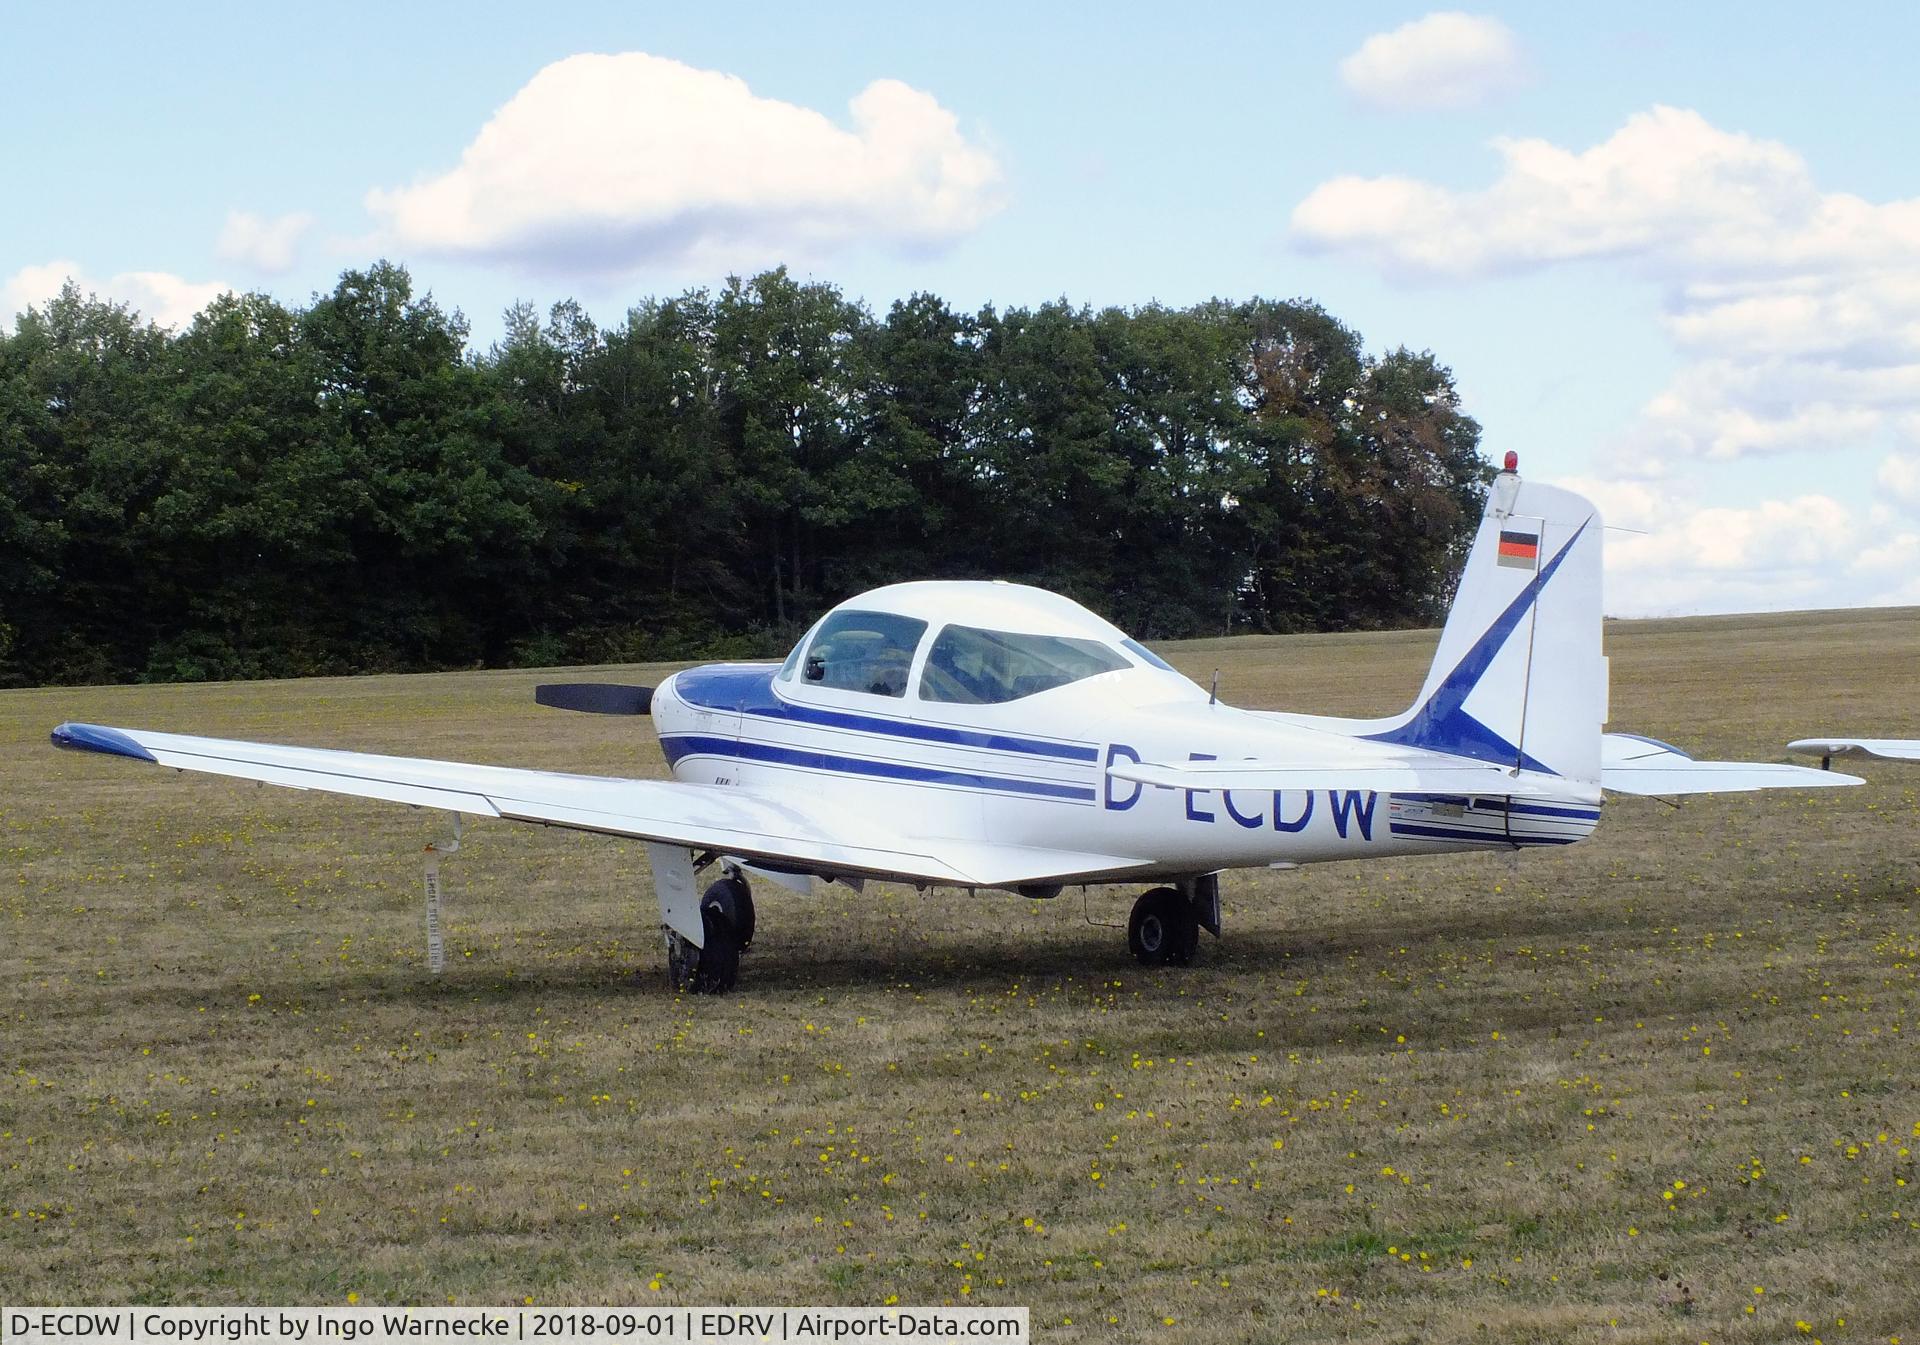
(666,701)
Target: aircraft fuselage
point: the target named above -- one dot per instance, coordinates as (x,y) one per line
(1035,772)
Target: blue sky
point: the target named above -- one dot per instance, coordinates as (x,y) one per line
(1689,283)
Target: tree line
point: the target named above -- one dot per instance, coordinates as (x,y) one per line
(346,487)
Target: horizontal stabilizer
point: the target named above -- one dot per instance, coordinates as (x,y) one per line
(595,698)
(1436,774)
(1630,764)
(1882,749)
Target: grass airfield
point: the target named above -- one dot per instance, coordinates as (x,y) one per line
(1661,1086)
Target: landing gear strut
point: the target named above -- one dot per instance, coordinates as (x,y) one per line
(726,922)
(1164,929)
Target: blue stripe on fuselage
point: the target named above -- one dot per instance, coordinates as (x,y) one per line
(749,691)
(680,745)
(1420,831)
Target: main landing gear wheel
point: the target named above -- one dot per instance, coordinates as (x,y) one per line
(726,920)
(1163,930)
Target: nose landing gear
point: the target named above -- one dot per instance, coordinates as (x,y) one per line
(1164,929)
(726,922)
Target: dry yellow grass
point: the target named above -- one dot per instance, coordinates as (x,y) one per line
(1658,1087)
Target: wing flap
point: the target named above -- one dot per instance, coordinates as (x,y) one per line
(705,817)
(1016,865)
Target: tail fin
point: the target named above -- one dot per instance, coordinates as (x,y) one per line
(1518,679)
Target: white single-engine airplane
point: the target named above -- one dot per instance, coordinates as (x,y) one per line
(989,735)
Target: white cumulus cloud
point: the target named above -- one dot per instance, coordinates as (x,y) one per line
(1668,552)
(1447,59)
(265,244)
(1899,477)
(1725,409)
(1668,188)
(1797,309)
(157,295)
(605,163)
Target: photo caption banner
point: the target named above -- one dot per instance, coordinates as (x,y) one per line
(548,1326)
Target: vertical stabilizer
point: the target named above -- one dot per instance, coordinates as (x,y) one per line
(1518,679)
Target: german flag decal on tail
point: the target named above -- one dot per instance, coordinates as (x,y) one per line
(1520,548)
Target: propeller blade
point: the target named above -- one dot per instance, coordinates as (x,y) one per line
(595,698)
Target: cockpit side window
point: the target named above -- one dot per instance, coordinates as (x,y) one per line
(863,651)
(970,666)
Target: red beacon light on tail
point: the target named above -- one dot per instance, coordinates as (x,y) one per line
(1513,461)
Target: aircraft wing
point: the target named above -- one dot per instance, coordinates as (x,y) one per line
(701,817)
(1885,749)
(1630,764)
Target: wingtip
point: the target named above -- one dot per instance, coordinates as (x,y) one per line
(97,738)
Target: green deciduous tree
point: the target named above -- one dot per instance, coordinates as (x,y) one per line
(275,490)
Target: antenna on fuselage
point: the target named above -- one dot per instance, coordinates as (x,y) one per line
(1213,696)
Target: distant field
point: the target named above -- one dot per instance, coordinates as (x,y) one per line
(1660,1087)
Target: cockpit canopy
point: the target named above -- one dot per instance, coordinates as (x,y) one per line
(959,643)
(971,666)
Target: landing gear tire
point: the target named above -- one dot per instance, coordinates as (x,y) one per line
(1163,931)
(717,967)
(731,897)
(726,922)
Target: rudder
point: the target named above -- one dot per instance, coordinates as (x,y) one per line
(1518,679)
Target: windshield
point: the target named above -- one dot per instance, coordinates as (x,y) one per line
(792,665)
(863,651)
(1148,655)
(969,666)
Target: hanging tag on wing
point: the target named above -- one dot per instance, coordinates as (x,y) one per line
(436,947)
(436,944)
